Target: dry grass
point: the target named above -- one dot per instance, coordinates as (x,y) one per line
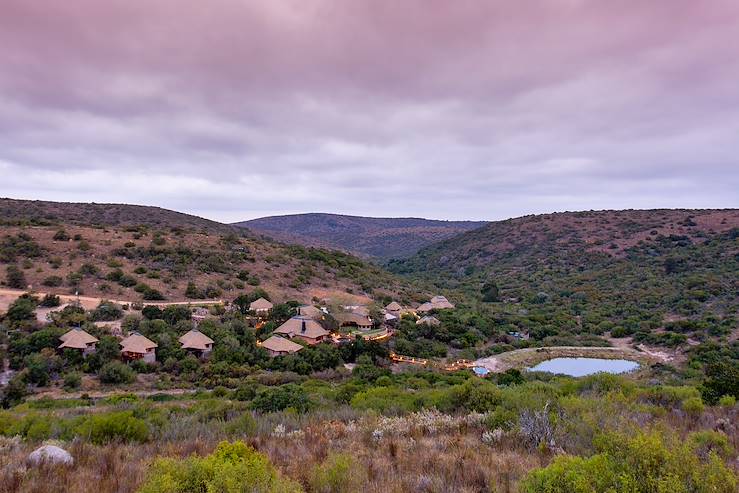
(421,452)
(452,460)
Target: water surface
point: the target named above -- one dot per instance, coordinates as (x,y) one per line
(580,367)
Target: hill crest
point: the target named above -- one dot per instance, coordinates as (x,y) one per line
(373,237)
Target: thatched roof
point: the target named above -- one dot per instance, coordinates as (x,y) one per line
(136,343)
(303,327)
(310,311)
(361,310)
(427,320)
(394,307)
(436,303)
(352,318)
(76,339)
(195,340)
(281,345)
(426,307)
(260,304)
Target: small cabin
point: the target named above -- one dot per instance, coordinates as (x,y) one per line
(137,347)
(279,346)
(196,342)
(79,340)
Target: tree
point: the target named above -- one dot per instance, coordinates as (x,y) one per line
(38,367)
(721,379)
(21,310)
(242,302)
(151,312)
(16,279)
(106,311)
(193,292)
(50,301)
(490,292)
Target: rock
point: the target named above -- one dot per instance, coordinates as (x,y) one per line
(50,454)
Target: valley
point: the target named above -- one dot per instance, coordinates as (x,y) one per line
(134,344)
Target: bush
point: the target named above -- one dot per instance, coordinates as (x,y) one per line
(116,372)
(646,463)
(50,301)
(339,473)
(107,311)
(72,380)
(232,467)
(113,427)
(694,406)
(244,425)
(15,278)
(721,379)
(280,398)
(727,401)
(61,235)
(53,281)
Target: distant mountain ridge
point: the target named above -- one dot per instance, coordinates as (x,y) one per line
(374,237)
(99,214)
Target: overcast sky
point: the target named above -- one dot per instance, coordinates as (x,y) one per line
(235,109)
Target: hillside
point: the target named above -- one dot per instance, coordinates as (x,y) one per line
(133,253)
(657,272)
(40,212)
(380,238)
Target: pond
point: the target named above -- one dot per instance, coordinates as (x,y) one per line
(580,367)
(480,371)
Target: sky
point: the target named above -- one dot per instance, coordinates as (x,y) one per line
(484,109)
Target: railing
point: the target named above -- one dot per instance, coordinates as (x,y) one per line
(453,366)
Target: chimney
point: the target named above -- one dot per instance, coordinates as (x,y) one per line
(302,327)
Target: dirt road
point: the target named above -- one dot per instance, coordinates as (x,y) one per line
(7,296)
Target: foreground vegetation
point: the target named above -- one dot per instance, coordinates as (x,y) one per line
(362,432)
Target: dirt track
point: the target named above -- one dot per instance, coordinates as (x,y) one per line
(7,296)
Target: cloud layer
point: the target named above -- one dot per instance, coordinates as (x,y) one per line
(234,109)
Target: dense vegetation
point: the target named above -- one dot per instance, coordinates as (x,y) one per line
(531,433)
(665,278)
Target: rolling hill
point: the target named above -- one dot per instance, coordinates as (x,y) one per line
(370,237)
(589,272)
(40,212)
(128,252)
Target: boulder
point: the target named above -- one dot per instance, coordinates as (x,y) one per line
(51,455)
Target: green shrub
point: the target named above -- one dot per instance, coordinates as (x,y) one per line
(116,372)
(339,473)
(232,467)
(282,397)
(693,406)
(53,281)
(113,427)
(15,277)
(32,426)
(646,463)
(244,425)
(72,380)
(727,401)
